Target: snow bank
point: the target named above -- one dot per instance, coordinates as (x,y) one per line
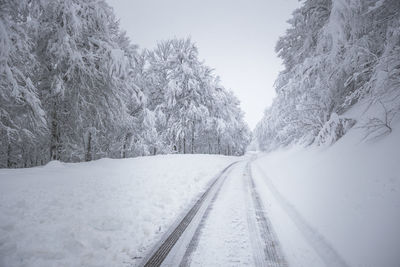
(345,198)
(101,213)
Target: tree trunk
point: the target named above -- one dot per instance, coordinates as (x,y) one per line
(193,129)
(219,145)
(54,143)
(125,145)
(9,156)
(88,156)
(184,145)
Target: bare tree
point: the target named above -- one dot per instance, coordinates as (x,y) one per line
(377,127)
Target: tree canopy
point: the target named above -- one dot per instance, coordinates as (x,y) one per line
(73,87)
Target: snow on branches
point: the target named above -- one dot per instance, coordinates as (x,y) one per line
(336,54)
(73,88)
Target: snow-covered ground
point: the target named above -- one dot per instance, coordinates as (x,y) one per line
(335,204)
(329,206)
(101,213)
(224,239)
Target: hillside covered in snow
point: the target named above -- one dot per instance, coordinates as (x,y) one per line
(342,199)
(335,54)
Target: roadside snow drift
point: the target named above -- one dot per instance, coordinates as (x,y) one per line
(101,213)
(342,201)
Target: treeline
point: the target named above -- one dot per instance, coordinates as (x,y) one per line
(73,88)
(335,54)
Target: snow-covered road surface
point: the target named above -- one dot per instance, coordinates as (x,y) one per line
(294,208)
(169,250)
(231,228)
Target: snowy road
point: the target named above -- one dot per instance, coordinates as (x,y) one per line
(230,227)
(112,212)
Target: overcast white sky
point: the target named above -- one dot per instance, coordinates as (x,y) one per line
(235,37)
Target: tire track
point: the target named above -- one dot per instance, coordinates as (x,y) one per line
(196,237)
(222,239)
(161,251)
(266,248)
(317,241)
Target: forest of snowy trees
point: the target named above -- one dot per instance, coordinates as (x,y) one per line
(335,54)
(73,88)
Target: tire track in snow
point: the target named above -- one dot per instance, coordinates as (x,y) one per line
(322,247)
(266,248)
(223,237)
(164,247)
(196,237)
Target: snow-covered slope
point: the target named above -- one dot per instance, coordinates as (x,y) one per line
(342,200)
(101,213)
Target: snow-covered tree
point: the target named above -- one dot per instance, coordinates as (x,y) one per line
(22,120)
(83,79)
(75,88)
(192,102)
(336,53)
